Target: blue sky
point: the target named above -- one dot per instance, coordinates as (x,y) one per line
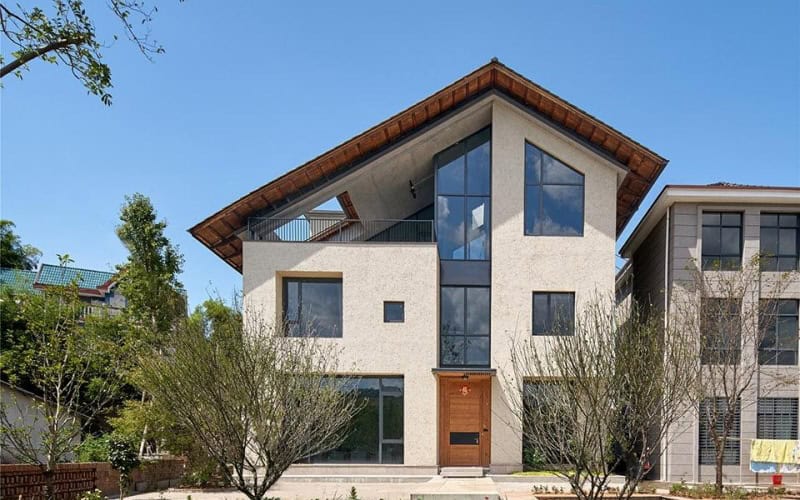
(249,90)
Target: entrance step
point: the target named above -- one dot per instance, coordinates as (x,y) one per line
(461,472)
(455,496)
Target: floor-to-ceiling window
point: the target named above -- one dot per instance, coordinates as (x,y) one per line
(463,223)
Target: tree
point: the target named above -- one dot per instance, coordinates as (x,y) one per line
(66,33)
(123,458)
(256,400)
(12,252)
(74,364)
(729,312)
(602,398)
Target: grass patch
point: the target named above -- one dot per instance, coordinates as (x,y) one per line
(535,473)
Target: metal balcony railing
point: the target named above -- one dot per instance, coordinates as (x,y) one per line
(318,230)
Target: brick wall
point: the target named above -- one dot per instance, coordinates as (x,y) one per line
(27,481)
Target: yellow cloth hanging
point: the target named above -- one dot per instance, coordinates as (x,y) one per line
(778,451)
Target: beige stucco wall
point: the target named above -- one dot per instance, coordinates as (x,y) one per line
(681,457)
(524,264)
(371,274)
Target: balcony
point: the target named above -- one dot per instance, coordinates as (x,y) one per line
(339,230)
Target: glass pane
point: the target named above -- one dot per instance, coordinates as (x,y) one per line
(786,264)
(787,242)
(731,219)
(533,164)
(361,443)
(788,220)
(393,453)
(452,351)
(392,412)
(562,312)
(478,170)
(532,201)
(711,244)
(787,333)
(478,312)
(562,210)
(291,308)
(730,241)
(711,218)
(322,308)
(786,358)
(728,263)
(451,171)
(769,241)
(452,306)
(477,351)
(555,172)
(450,227)
(478,228)
(540,314)
(769,219)
(787,307)
(393,312)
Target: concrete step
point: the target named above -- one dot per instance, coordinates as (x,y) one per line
(461,472)
(455,496)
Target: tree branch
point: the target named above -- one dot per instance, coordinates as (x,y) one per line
(28,56)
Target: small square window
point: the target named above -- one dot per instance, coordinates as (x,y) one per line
(394,312)
(553,313)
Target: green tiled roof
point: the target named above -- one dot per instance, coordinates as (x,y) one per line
(58,275)
(17,279)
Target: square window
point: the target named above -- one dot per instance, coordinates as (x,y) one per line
(553,313)
(780,242)
(394,312)
(722,240)
(312,307)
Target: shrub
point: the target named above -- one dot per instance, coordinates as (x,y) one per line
(93,449)
(95,494)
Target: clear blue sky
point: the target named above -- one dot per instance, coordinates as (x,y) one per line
(247,91)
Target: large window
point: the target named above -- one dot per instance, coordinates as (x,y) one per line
(721,331)
(463,184)
(553,196)
(553,313)
(312,307)
(376,432)
(464,324)
(777,418)
(713,412)
(722,240)
(779,332)
(780,241)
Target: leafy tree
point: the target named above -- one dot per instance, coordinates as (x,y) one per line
(75,365)
(12,252)
(66,33)
(124,459)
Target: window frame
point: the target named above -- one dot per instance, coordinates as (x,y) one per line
(402,305)
(706,351)
(465,335)
(285,280)
(772,325)
(769,430)
(549,320)
(769,262)
(718,257)
(541,185)
(705,445)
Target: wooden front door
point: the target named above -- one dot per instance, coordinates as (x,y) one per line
(464,421)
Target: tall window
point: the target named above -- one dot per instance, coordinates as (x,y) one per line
(553,196)
(721,330)
(722,240)
(376,431)
(464,336)
(779,332)
(312,307)
(780,242)
(553,313)
(777,418)
(713,412)
(463,183)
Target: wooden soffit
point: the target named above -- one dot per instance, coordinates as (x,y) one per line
(219,231)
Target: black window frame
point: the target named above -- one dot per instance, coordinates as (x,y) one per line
(774,415)
(549,320)
(527,183)
(400,303)
(300,321)
(706,451)
(465,335)
(769,261)
(715,342)
(769,319)
(714,262)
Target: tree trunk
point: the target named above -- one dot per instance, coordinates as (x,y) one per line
(49,483)
(718,459)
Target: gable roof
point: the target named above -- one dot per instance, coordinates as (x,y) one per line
(89,281)
(218,231)
(18,280)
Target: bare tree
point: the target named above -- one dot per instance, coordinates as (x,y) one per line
(256,400)
(602,399)
(74,367)
(731,312)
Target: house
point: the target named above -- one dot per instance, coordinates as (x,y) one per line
(727,224)
(477,213)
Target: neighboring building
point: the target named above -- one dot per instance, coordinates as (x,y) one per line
(96,288)
(724,225)
(476,213)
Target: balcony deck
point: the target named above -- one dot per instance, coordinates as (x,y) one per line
(339,230)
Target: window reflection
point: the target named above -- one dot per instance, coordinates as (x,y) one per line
(553,196)
(465,326)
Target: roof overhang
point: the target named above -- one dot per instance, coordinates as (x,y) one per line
(219,231)
(719,194)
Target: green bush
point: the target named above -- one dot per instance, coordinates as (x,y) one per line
(532,459)
(95,494)
(93,449)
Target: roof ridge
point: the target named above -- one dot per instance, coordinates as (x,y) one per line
(57,266)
